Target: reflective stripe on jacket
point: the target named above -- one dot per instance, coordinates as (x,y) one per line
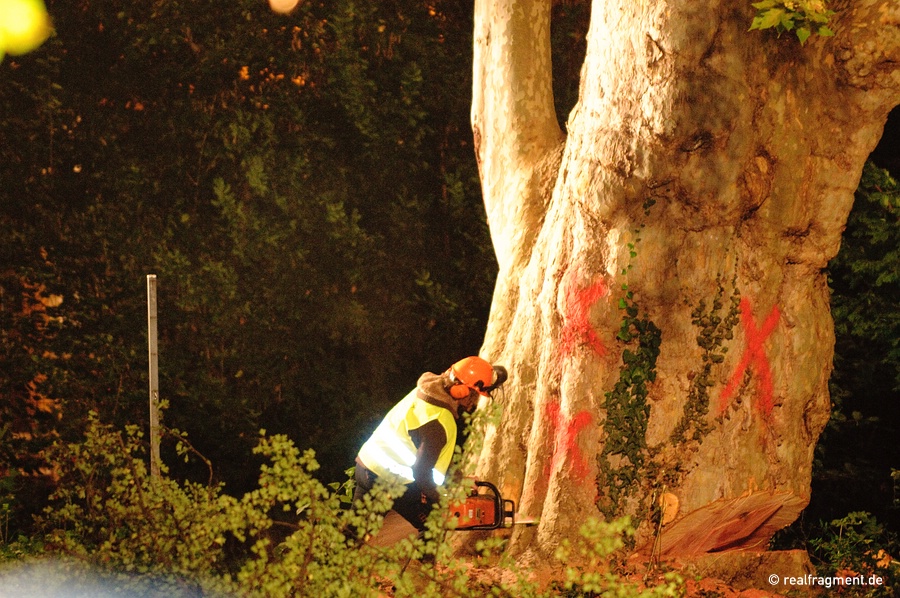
(390,450)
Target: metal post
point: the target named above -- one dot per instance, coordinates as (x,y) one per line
(154,375)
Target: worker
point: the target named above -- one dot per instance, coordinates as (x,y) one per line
(415,441)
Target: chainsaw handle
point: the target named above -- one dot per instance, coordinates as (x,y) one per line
(488,485)
(509,512)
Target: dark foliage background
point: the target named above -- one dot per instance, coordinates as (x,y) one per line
(304,188)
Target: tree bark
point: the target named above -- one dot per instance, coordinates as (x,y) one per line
(661,302)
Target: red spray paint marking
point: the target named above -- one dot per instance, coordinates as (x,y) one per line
(577,326)
(565,440)
(754,353)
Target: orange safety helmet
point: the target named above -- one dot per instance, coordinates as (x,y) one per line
(474,373)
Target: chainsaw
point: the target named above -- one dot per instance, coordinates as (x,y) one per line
(485,509)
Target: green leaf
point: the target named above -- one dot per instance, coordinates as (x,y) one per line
(803,34)
(770,18)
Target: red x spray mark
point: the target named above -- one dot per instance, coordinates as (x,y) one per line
(755,354)
(577,328)
(565,439)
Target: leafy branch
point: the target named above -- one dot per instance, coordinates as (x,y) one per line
(803,17)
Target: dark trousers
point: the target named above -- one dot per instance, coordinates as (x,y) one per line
(412,506)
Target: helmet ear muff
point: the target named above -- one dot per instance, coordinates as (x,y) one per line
(459,391)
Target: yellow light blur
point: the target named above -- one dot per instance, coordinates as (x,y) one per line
(283,6)
(24,25)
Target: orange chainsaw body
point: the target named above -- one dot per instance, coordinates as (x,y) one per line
(483,509)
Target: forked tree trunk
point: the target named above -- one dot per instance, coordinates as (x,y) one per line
(661,301)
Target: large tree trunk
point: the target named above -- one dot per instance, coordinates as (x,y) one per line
(661,301)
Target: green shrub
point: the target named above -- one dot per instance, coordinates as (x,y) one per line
(289,537)
(595,575)
(858,545)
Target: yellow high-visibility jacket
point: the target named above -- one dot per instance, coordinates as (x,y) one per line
(390,449)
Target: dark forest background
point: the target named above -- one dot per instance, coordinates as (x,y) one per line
(305,189)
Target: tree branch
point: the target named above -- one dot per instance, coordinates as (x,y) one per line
(513,117)
(867,34)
